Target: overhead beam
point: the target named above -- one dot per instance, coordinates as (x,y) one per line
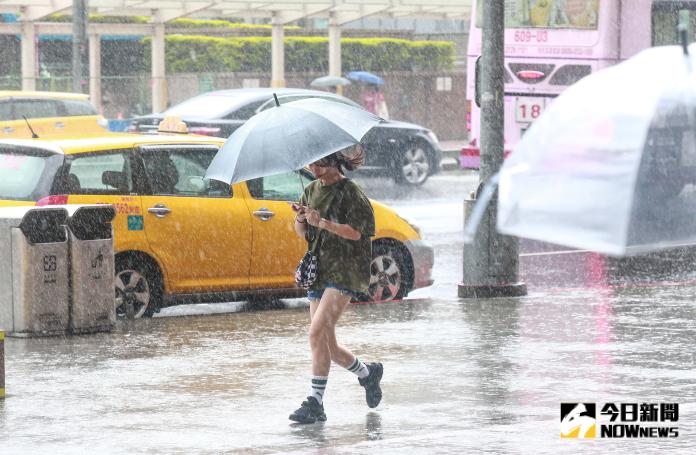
(285,17)
(344,17)
(32,13)
(10,29)
(168,14)
(64,28)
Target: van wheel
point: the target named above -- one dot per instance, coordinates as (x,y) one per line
(389,273)
(138,288)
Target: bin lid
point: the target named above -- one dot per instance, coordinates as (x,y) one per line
(44,224)
(12,216)
(91,222)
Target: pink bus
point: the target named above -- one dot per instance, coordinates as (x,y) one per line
(551,44)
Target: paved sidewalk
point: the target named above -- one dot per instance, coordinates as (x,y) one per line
(450,154)
(461,376)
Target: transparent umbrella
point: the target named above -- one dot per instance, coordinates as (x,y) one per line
(288,137)
(330,81)
(610,165)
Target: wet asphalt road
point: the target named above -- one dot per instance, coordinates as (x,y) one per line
(461,376)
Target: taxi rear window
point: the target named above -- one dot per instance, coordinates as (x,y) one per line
(77,107)
(26,176)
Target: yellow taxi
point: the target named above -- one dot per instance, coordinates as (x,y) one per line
(182,238)
(47,114)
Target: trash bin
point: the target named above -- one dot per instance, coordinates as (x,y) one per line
(92,303)
(33,271)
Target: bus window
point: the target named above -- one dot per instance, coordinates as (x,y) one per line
(666,16)
(575,14)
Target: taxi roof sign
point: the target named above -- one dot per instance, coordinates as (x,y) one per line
(172,124)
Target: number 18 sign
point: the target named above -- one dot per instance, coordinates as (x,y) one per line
(528,109)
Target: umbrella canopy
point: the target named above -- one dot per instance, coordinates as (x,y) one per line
(330,81)
(288,137)
(364,76)
(609,166)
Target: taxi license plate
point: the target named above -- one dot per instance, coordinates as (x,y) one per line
(528,109)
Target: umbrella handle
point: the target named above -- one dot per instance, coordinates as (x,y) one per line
(275,97)
(683,37)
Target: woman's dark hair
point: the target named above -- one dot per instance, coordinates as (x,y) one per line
(344,160)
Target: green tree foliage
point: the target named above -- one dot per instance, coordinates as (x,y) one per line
(191,54)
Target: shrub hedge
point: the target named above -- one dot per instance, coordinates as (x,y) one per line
(191,54)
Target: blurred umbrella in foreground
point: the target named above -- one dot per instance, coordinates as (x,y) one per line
(288,137)
(329,81)
(610,165)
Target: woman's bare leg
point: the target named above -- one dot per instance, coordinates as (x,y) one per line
(322,331)
(339,355)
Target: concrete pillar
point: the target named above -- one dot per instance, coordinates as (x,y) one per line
(491,262)
(95,71)
(79,43)
(159,80)
(277,55)
(335,52)
(29,56)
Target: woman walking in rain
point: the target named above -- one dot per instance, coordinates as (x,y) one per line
(336,219)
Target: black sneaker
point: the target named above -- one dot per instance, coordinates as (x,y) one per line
(310,411)
(373,392)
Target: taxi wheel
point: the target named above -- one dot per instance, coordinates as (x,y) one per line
(138,288)
(390,274)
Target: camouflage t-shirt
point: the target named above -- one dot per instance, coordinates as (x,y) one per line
(343,262)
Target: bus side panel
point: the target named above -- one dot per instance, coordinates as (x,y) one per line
(635,21)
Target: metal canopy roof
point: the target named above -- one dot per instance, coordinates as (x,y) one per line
(280,11)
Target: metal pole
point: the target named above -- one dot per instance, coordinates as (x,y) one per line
(2,364)
(79,43)
(491,261)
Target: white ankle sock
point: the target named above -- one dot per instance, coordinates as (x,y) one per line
(359,368)
(318,387)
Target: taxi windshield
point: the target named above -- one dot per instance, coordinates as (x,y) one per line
(21,174)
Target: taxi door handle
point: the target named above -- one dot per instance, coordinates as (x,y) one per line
(160,210)
(264,214)
(60,125)
(8,130)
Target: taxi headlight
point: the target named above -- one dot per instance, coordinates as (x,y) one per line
(413,226)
